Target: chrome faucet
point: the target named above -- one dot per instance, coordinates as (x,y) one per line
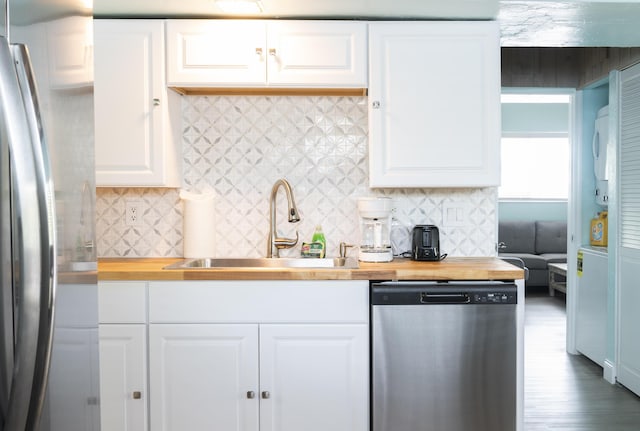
(274,241)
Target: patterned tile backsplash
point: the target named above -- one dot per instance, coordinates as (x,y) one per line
(238,146)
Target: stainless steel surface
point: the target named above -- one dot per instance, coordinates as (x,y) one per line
(40,247)
(251,395)
(273,240)
(43,299)
(444,367)
(281,262)
(27,246)
(266,395)
(344,248)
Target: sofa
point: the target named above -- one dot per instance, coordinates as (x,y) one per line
(537,243)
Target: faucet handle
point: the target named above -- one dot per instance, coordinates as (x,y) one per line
(343,249)
(285,242)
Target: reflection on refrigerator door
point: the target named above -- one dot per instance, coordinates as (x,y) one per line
(47,203)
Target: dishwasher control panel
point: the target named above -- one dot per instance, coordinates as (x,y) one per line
(425,293)
(494,298)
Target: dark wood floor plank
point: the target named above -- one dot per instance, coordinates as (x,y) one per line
(565,392)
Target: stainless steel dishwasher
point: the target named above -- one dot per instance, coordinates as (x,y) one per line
(443,356)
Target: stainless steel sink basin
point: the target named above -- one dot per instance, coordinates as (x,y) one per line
(263,262)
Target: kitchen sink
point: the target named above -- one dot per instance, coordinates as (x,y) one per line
(263,262)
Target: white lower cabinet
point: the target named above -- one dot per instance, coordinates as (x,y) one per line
(123,377)
(316,377)
(201,377)
(67,407)
(269,377)
(235,355)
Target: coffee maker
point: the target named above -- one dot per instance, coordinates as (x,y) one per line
(375,229)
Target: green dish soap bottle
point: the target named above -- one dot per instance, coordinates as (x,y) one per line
(318,236)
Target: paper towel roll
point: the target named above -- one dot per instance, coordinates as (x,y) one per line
(198,224)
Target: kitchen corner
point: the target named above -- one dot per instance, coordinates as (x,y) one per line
(264,111)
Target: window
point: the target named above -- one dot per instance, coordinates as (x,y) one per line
(535,168)
(536,150)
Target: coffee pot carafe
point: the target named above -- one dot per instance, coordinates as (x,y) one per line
(375,229)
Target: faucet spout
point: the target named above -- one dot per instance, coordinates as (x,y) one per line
(273,241)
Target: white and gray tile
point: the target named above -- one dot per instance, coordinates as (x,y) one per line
(238,146)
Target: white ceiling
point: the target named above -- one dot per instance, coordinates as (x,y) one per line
(425,9)
(523,23)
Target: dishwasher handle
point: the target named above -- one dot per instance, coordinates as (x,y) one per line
(444,298)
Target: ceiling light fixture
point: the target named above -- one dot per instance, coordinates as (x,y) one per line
(240,6)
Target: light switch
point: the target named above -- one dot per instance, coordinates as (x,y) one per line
(454,215)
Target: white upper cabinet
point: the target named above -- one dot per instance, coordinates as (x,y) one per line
(434,104)
(255,53)
(216,51)
(317,53)
(70,52)
(135,140)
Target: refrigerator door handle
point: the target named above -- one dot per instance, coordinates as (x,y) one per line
(34,240)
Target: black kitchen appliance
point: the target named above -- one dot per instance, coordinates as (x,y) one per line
(425,244)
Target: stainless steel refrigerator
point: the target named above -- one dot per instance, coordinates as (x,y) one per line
(48,297)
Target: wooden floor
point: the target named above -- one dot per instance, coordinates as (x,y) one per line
(565,392)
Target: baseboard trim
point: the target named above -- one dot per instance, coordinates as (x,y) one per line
(609,372)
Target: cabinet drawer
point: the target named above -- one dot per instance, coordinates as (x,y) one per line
(122,302)
(259,301)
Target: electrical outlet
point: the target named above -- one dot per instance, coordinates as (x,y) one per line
(133,213)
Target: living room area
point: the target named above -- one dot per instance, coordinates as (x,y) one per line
(566,333)
(536,184)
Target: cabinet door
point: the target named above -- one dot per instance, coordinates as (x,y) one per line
(317,53)
(221,52)
(70,53)
(591,307)
(316,377)
(73,392)
(134,146)
(123,377)
(203,377)
(628,241)
(434,113)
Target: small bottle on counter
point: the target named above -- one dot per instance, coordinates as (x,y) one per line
(318,236)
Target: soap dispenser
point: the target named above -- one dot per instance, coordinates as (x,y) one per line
(318,236)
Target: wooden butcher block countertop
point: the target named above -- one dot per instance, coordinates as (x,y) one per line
(452,268)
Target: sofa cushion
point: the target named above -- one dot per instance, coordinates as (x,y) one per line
(554,257)
(551,237)
(531,261)
(517,236)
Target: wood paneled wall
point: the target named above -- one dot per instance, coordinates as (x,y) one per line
(562,67)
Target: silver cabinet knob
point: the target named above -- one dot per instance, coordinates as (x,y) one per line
(266,395)
(259,52)
(156,101)
(137,395)
(251,395)
(272,52)
(375,104)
